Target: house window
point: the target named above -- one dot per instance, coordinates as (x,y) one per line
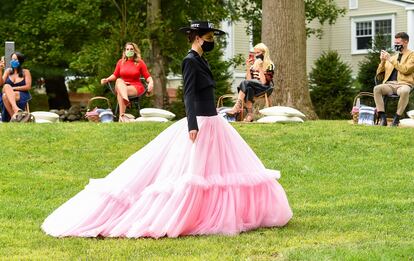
(363,35)
(384,27)
(364,31)
(353,4)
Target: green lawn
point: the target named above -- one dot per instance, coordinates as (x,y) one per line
(350,188)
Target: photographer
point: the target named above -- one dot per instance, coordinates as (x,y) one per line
(259,79)
(398,71)
(17,83)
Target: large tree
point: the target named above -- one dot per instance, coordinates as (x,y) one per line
(51,33)
(87,36)
(156,59)
(284,32)
(284,27)
(156,32)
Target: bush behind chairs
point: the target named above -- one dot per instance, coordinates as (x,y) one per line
(331,87)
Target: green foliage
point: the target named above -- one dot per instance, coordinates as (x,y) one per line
(86,37)
(321,10)
(80,83)
(251,11)
(50,32)
(344,208)
(324,11)
(368,66)
(331,87)
(38,102)
(220,70)
(177,107)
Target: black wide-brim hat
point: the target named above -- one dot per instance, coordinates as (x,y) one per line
(204,26)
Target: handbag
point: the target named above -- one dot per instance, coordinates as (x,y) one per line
(99,114)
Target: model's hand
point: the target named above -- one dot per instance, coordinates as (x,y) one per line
(249,62)
(193,135)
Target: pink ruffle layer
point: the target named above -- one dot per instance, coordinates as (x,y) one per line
(172,187)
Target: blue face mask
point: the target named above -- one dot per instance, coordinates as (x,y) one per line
(14,64)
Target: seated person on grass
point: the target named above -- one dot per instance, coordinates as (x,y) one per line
(398,71)
(259,79)
(16,83)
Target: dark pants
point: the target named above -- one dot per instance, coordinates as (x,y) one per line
(251,88)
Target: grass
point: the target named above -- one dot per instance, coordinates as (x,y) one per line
(350,188)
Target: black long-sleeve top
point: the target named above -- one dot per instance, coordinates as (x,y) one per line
(199,87)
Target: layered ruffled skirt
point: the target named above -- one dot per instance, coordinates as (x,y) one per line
(173,187)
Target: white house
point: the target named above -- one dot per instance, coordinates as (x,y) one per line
(351,34)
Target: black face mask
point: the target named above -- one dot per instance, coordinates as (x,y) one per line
(260,56)
(207,46)
(398,47)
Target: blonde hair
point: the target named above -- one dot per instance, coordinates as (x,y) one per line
(137,52)
(266,57)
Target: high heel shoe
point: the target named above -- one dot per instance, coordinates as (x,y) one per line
(237,108)
(123,118)
(17,116)
(249,117)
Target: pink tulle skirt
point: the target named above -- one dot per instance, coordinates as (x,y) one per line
(173,187)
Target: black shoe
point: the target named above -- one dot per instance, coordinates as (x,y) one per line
(395,120)
(383,118)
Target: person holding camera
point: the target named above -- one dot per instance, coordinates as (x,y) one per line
(16,83)
(398,74)
(259,79)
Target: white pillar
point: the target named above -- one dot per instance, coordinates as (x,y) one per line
(227,26)
(410,27)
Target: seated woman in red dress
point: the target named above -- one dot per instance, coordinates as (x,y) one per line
(127,74)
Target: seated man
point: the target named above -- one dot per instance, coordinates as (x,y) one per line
(398,73)
(17,83)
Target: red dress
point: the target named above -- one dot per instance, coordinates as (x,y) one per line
(131,73)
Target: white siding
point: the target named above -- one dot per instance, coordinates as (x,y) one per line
(242,44)
(338,36)
(241,41)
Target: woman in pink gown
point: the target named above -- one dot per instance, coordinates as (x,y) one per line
(197,177)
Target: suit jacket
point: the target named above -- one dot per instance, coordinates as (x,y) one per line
(405,68)
(199,88)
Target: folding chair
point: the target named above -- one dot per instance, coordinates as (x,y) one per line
(261,95)
(378,80)
(135,100)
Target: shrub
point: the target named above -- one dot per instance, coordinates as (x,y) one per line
(331,87)
(368,66)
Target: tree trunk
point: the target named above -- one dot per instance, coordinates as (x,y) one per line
(284,32)
(57,93)
(156,60)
